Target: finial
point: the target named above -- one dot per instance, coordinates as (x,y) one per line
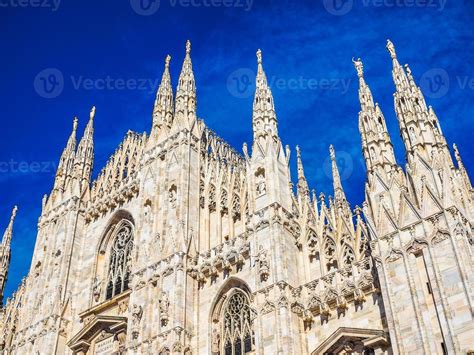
(259,56)
(357,210)
(409,74)
(359,67)
(407,68)
(74,124)
(298,152)
(391,49)
(167,61)
(332,153)
(188,46)
(15,209)
(92,113)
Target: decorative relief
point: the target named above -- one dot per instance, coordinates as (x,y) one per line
(136,313)
(164,308)
(97,289)
(263,266)
(221,258)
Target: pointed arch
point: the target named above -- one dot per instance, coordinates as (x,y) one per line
(119,267)
(231,325)
(111,227)
(113,256)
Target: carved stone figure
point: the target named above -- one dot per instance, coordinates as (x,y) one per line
(262,262)
(164,308)
(97,289)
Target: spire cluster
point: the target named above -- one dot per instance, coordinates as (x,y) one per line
(75,165)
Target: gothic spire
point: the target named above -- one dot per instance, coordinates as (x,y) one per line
(461,168)
(66,162)
(399,75)
(85,152)
(376,144)
(264,116)
(7,236)
(5,254)
(365,95)
(339,195)
(302,183)
(186,93)
(418,125)
(163,108)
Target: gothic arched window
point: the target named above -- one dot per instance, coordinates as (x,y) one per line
(238,335)
(120,259)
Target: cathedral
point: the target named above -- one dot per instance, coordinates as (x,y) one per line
(182,245)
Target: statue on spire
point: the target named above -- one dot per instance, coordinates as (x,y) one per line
(391,49)
(188,46)
(359,67)
(74,124)
(92,113)
(259,56)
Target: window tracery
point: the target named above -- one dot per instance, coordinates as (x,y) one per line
(238,336)
(234,334)
(120,260)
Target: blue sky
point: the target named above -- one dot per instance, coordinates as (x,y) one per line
(110,54)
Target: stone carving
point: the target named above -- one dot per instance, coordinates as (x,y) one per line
(164,308)
(263,265)
(216,338)
(172,196)
(97,289)
(260,182)
(122,306)
(137,313)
